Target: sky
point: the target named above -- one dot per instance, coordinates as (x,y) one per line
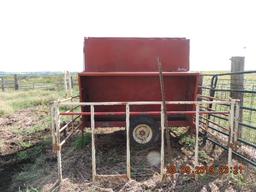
(48,35)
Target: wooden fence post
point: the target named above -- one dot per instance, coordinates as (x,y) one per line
(72,81)
(2,84)
(237,83)
(16,83)
(65,82)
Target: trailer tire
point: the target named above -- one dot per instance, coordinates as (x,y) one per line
(144,131)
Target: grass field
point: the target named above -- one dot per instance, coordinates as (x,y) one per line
(12,101)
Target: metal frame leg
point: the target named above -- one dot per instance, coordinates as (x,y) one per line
(231,124)
(93,144)
(128,159)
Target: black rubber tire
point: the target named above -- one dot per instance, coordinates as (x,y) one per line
(151,123)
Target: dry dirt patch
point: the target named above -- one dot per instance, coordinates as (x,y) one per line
(22,129)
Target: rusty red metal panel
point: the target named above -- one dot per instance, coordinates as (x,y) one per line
(125,69)
(135,54)
(107,87)
(122,124)
(140,86)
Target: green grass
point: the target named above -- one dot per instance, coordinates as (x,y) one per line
(13,101)
(23,155)
(30,189)
(82,141)
(25,144)
(32,153)
(33,171)
(188,141)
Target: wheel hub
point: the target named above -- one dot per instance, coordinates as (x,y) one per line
(142,133)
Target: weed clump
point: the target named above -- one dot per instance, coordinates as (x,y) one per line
(188,141)
(82,141)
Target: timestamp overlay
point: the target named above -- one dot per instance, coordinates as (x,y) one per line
(213,170)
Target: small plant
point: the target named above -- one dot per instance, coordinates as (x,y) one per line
(29,189)
(22,155)
(180,131)
(82,141)
(239,179)
(25,144)
(203,155)
(189,141)
(31,153)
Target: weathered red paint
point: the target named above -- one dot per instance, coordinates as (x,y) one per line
(117,123)
(135,54)
(125,69)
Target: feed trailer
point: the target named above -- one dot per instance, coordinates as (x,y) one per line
(125,70)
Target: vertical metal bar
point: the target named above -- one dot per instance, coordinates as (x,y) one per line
(197,132)
(162,141)
(53,130)
(236,129)
(57,125)
(69,84)
(251,102)
(231,124)
(72,81)
(93,144)
(128,159)
(72,117)
(3,84)
(16,82)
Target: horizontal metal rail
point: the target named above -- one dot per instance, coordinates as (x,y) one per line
(242,124)
(242,107)
(248,126)
(222,132)
(73,108)
(248,108)
(209,98)
(70,122)
(239,139)
(145,103)
(235,153)
(143,113)
(73,131)
(216,124)
(230,90)
(229,73)
(246,142)
(226,134)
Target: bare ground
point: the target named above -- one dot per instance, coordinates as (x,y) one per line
(17,129)
(39,171)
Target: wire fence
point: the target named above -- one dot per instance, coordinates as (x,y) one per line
(30,81)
